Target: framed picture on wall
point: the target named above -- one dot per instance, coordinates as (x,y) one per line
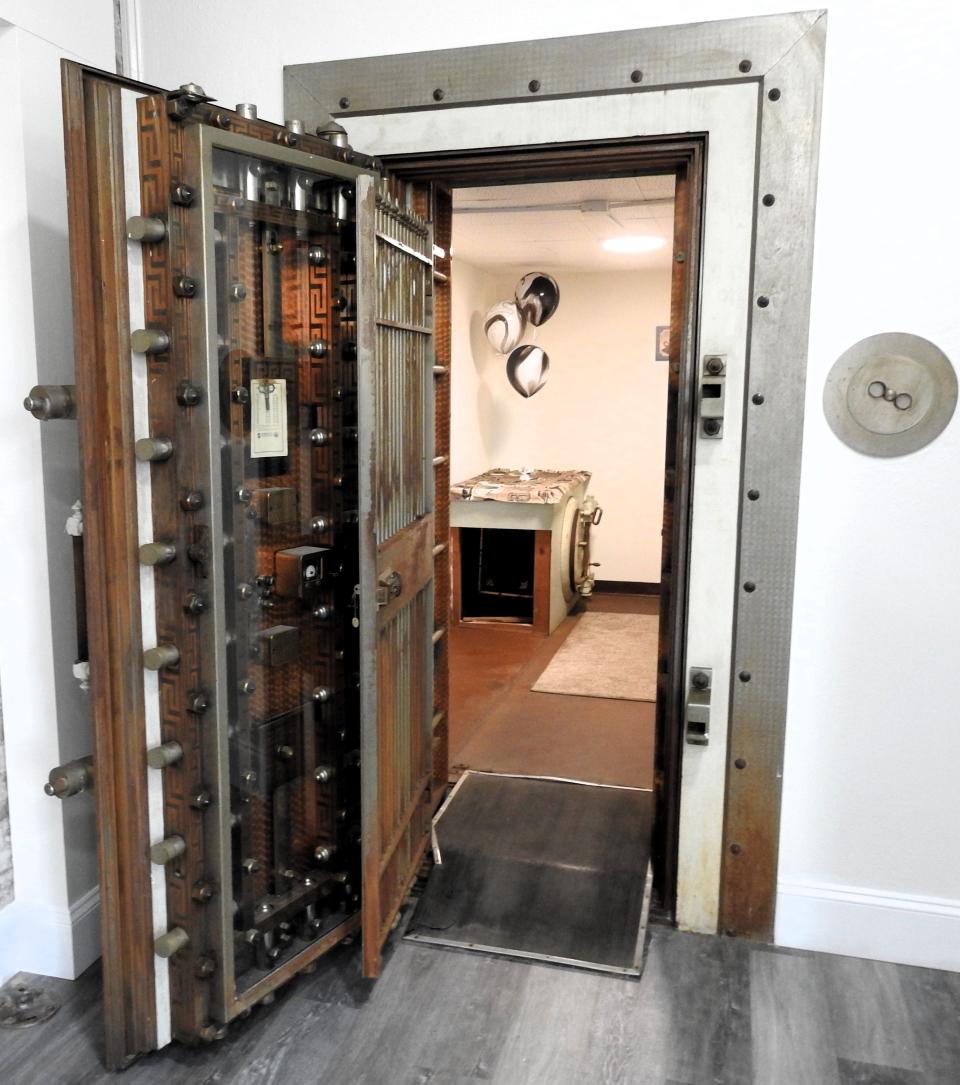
(662,353)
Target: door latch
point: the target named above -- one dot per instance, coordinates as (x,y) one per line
(712,385)
(697,718)
(389,586)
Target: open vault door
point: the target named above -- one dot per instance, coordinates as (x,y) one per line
(396,424)
(254,391)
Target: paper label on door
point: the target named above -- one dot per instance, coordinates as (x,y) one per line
(268,417)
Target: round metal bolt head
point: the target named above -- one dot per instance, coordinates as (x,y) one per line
(191,500)
(769,200)
(149,341)
(636,76)
(240,395)
(749,586)
(201,800)
(318,348)
(153,449)
(774,94)
(185,287)
(238,292)
(47,402)
(206,966)
(163,655)
(146,228)
(195,603)
(763,301)
(757,398)
(157,553)
(164,851)
(183,194)
(745,66)
(198,702)
(735,849)
(171,942)
(438,95)
(344,102)
(740,763)
(167,753)
(317,256)
(753,495)
(188,395)
(533,86)
(745,676)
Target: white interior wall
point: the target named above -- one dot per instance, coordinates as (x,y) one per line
(872,746)
(603,408)
(52,924)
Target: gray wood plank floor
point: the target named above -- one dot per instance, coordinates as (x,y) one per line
(707,1011)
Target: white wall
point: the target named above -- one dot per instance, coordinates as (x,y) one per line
(870,795)
(603,408)
(51,925)
(870,861)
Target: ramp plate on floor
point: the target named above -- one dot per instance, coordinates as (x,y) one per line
(550,869)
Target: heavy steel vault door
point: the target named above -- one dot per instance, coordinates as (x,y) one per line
(395,404)
(253,309)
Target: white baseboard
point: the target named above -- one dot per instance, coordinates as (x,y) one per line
(879,926)
(50,941)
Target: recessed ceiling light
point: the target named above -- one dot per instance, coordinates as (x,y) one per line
(633,243)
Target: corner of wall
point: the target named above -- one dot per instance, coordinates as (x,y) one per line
(50,941)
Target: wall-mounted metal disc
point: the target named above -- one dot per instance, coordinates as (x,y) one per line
(890,394)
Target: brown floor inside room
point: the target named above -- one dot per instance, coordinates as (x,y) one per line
(497,724)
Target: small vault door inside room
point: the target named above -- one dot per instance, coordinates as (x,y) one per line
(255,377)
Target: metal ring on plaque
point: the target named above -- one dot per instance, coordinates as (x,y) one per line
(890,394)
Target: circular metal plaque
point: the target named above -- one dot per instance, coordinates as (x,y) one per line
(890,394)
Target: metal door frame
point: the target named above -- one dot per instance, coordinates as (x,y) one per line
(782,56)
(685,157)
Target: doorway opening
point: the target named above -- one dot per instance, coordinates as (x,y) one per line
(569,495)
(557,495)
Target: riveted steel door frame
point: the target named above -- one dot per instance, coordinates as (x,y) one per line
(782,55)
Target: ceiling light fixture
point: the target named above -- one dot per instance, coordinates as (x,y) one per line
(633,243)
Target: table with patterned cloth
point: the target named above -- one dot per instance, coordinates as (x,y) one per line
(508,484)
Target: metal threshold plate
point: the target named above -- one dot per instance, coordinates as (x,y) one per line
(552,870)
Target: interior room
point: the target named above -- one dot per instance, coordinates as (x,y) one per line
(560,319)
(607,245)
(479,557)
